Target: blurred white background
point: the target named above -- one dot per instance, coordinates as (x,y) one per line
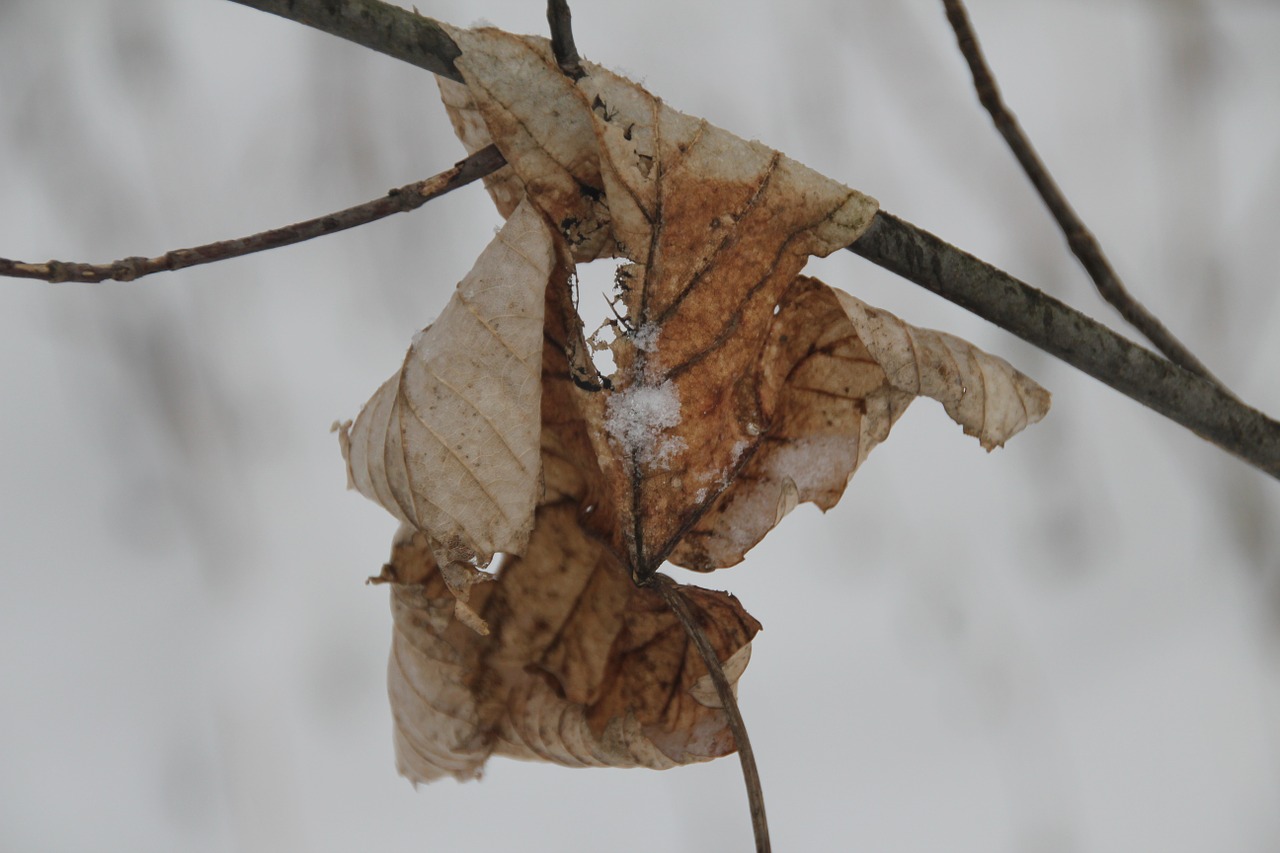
(1072,644)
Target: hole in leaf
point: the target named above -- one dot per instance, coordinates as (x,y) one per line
(602,309)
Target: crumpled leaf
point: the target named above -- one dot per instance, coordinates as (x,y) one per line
(450,443)
(741,389)
(581,667)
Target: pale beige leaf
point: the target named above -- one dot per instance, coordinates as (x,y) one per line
(451,443)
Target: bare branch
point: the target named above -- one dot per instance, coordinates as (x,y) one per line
(1079,238)
(755,793)
(1184,397)
(402,200)
(561,21)
(388,29)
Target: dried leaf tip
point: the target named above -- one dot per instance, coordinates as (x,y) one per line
(343,429)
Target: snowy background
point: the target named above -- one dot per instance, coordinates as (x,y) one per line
(1072,644)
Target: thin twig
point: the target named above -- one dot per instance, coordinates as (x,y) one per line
(1193,401)
(1079,238)
(401,200)
(755,793)
(566,52)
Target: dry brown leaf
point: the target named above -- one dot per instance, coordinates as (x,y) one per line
(835,376)
(741,389)
(450,444)
(581,667)
(716,227)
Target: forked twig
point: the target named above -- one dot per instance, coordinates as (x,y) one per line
(755,793)
(1081,240)
(402,200)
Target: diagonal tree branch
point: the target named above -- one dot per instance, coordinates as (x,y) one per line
(1197,403)
(401,200)
(397,32)
(1081,240)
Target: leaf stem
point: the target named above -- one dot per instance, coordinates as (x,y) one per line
(751,776)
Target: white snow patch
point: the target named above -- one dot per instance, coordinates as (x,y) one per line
(645,338)
(637,417)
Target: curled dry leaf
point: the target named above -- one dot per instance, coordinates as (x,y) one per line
(835,375)
(741,389)
(984,394)
(581,667)
(450,443)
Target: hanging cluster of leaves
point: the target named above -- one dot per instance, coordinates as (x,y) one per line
(741,389)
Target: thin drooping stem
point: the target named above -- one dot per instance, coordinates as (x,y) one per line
(1081,240)
(1186,398)
(566,52)
(401,200)
(755,793)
